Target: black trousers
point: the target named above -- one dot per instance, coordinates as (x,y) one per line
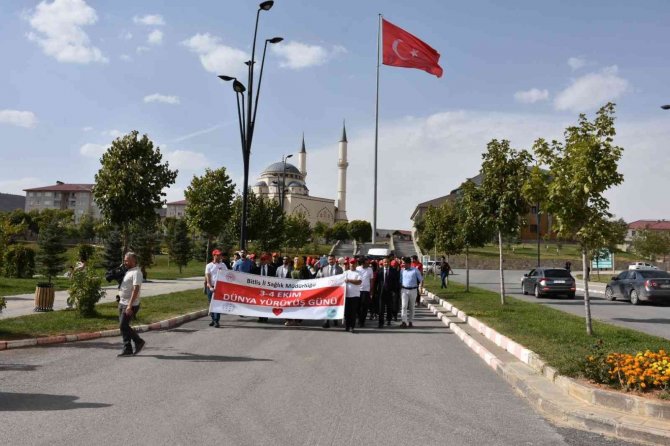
(386,306)
(127,332)
(366,303)
(351,305)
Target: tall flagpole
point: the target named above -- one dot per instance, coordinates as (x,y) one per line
(374,212)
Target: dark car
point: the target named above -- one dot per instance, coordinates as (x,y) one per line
(548,281)
(640,285)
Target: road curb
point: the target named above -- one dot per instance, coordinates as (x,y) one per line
(61,339)
(635,418)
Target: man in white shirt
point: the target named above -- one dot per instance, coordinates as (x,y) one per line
(366,301)
(353,297)
(211,271)
(410,279)
(129,305)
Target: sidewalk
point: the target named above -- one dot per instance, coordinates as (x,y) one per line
(563,400)
(23,304)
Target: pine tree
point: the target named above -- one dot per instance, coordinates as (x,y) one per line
(143,243)
(113,255)
(50,257)
(181,246)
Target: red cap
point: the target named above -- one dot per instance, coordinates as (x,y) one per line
(216,252)
(353,261)
(394,263)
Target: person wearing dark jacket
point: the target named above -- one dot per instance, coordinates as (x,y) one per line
(264,269)
(387,289)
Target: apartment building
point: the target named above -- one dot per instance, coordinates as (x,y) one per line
(78,197)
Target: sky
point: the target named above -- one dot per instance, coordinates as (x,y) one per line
(79,73)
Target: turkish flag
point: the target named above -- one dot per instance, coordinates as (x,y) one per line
(402,49)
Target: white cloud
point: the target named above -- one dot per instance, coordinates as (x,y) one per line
(155,37)
(149,20)
(18,118)
(198,133)
(60,34)
(576,63)
(531,96)
(592,90)
(114,133)
(92,150)
(17,186)
(125,58)
(161,98)
(141,49)
(216,57)
(186,160)
(297,55)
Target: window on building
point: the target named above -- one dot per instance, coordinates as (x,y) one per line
(533,209)
(632,233)
(533,229)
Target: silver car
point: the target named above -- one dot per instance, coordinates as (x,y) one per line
(640,285)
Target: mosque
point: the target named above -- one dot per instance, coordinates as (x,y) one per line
(297,200)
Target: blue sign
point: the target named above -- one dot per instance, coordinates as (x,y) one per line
(602,260)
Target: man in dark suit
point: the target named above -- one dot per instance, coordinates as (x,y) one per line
(264,269)
(387,288)
(331,269)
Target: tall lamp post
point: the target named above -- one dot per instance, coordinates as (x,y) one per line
(665,107)
(282,195)
(247,117)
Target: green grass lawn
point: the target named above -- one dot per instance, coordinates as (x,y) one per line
(559,338)
(11,287)
(548,251)
(153,309)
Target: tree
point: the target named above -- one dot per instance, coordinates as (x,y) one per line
(503,171)
(651,244)
(8,231)
(180,249)
(143,241)
(583,168)
(113,254)
(19,262)
(535,190)
(87,227)
(472,222)
(209,203)
(50,257)
(441,230)
(321,230)
(341,230)
(297,231)
(360,230)
(129,185)
(265,223)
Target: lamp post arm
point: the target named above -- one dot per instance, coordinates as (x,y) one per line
(260,79)
(240,114)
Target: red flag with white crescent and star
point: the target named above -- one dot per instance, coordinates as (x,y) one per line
(402,49)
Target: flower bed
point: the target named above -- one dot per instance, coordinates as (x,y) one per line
(641,372)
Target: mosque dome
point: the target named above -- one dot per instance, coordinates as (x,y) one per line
(261,184)
(278,168)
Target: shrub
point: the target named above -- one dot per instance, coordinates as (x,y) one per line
(643,371)
(85,292)
(3,303)
(85,252)
(19,262)
(595,366)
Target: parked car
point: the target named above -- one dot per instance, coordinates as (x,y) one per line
(432,267)
(547,281)
(640,285)
(641,265)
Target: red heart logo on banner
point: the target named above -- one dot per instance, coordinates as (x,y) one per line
(277,311)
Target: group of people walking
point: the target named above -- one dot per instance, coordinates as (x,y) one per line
(376,290)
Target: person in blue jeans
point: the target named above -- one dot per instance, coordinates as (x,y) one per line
(211,271)
(445,269)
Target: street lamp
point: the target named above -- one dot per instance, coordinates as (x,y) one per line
(665,107)
(247,117)
(282,196)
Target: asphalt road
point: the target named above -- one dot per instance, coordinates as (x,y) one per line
(649,318)
(257,384)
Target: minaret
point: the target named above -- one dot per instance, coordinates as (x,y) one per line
(302,158)
(342,165)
